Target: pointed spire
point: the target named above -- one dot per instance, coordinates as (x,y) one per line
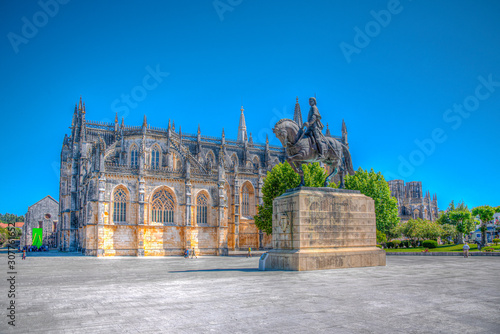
(169,124)
(242,128)
(83,109)
(123,122)
(144,122)
(344,134)
(223,141)
(80,104)
(199,131)
(116,117)
(267,139)
(173,125)
(328,134)
(297,114)
(251,139)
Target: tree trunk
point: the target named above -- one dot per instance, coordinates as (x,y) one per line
(483,233)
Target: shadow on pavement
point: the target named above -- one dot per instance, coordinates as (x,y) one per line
(215,270)
(50,253)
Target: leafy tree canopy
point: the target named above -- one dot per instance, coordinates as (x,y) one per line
(10,218)
(419,229)
(375,186)
(485,214)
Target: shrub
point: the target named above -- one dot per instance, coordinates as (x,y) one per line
(381,237)
(496,241)
(396,243)
(405,243)
(390,244)
(429,243)
(488,249)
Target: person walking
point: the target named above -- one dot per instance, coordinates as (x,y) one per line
(249,254)
(193,254)
(466,248)
(24,254)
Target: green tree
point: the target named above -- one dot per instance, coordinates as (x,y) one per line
(419,229)
(375,186)
(449,231)
(381,237)
(277,181)
(485,214)
(430,230)
(460,219)
(4,236)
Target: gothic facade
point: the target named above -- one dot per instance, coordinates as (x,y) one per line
(412,203)
(43,214)
(146,191)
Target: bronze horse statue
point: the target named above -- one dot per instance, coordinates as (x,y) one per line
(299,150)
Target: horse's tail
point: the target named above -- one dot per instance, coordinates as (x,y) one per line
(347,160)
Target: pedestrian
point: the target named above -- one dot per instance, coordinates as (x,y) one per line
(193,254)
(479,244)
(186,254)
(466,249)
(249,254)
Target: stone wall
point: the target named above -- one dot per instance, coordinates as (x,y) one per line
(44,212)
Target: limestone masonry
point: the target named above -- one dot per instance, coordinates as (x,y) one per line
(324,228)
(43,214)
(412,203)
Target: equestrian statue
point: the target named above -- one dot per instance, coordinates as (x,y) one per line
(312,146)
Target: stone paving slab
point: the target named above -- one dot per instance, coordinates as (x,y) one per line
(76,294)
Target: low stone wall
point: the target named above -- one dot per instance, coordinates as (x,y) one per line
(443,253)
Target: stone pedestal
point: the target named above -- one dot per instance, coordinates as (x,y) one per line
(324,228)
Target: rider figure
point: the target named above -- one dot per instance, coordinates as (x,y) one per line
(314,127)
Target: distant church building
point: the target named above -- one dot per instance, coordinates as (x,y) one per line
(146,191)
(412,203)
(41,215)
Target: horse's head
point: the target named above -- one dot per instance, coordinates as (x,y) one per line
(286,131)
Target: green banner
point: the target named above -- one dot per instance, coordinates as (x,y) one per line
(37,236)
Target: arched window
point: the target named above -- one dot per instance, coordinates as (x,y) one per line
(246,201)
(155,157)
(162,207)
(201,209)
(120,205)
(134,157)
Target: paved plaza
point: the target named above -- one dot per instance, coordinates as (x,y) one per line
(76,294)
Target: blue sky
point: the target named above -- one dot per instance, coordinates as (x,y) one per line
(397,72)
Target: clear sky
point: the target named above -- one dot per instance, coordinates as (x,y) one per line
(417,82)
